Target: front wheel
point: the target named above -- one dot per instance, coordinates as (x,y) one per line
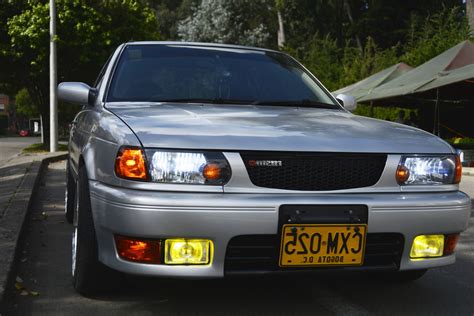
(89,275)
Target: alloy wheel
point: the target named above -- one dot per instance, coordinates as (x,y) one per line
(74,234)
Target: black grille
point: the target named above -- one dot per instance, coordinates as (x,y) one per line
(259,253)
(313,171)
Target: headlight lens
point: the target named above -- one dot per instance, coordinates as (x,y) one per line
(188,167)
(418,170)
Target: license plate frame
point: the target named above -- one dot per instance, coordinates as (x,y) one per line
(318,259)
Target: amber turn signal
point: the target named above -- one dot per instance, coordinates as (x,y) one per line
(130,164)
(457,177)
(212,171)
(402,174)
(138,250)
(450,244)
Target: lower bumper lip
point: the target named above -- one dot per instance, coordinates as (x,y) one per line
(220,217)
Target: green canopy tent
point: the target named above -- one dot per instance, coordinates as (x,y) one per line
(446,79)
(454,65)
(364,87)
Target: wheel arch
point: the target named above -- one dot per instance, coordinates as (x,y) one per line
(87,160)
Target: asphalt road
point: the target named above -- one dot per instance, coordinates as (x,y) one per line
(44,267)
(11,146)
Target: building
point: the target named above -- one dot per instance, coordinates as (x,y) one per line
(4,102)
(4,115)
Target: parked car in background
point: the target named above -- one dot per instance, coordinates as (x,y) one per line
(195,160)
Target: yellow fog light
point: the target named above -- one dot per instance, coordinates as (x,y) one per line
(427,246)
(188,251)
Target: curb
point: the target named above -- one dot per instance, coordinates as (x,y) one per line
(13,222)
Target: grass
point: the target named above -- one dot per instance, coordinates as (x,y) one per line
(41,148)
(462,143)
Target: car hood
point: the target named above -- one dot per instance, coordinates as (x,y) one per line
(269,128)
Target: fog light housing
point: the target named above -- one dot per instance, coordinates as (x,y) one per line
(188,251)
(138,250)
(427,246)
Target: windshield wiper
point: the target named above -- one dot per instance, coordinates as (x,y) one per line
(302,103)
(204,100)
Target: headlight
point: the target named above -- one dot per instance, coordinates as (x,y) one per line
(188,167)
(419,170)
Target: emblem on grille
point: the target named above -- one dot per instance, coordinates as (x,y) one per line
(265,163)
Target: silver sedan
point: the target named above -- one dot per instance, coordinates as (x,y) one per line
(198,160)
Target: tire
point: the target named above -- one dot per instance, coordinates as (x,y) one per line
(90,277)
(69,195)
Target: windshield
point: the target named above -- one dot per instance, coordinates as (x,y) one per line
(179,73)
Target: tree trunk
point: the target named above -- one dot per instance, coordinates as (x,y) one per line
(347,7)
(40,97)
(470,15)
(281,30)
(45,138)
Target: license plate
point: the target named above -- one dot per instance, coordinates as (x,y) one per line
(322,245)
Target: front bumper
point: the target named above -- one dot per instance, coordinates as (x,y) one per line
(222,216)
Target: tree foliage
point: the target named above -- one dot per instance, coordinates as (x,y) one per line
(340,66)
(341,41)
(434,34)
(8,9)
(384,113)
(225,21)
(87,33)
(24,104)
(390,32)
(169,13)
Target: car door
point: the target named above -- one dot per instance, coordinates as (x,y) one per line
(82,125)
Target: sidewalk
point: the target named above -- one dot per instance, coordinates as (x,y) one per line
(18,182)
(468,171)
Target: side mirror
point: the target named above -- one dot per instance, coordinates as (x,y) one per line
(347,101)
(77,93)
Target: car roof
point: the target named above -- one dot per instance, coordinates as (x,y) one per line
(201,44)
